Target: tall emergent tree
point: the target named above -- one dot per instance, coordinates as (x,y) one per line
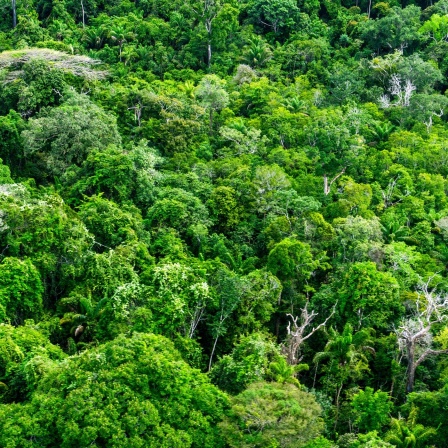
(415,333)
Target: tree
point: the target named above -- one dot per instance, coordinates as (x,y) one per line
(180,297)
(272,414)
(274,14)
(11,147)
(245,140)
(130,392)
(429,406)
(21,291)
(408,433)
(269,180)
(436,28)
(401,90)
(119,34)
(371,409)
(207,11)
(357,237)
(249,362)
(282,372)
(213,96)
(224,207)
(43,229)
(117,174)
(14,13)
(257,54)
(37,85)
(368,297)
(346,358)
(292,260)
(230,289)
(299,333)
(178,209)
(397,30)
(414,333)
(110,224)
(66,134)
(26,355)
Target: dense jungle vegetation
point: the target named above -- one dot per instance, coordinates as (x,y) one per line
(223,223)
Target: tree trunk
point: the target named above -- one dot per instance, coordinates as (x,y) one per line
(211,121)
(411,379)
(338,394)
(326,189)
(209,53)
(369,9)
(83,14)
(208,27)
(14,13)
(328,184)
(213,352)
(411,368)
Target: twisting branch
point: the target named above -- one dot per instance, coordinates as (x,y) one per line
(327,185)
(429,123)
(414,334)
(298,334)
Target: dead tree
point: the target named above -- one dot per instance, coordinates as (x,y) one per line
(414,334)
(298,333)
(328,183)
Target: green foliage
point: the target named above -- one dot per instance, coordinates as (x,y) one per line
(64,135)
(281,372)
(292,260)
(409,433)
(204,172)
(110,224)
(38,225)
(181,295)
(368,298)
(369,440)
(273,14)
(20,291)
(212,94)
(344,359)
(271,414)
(248,362)
(157,400)
(11,147)
(371,409)
(25,356)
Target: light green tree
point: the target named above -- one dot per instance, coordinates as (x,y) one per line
(371,409)
(272,414)
(65,135)
(212,95)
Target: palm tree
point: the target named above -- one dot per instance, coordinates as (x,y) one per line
(118,35)
(395,231)
(381,131)
(408,433)
(281,372)
(86,316)
(257,53)
(188,88)
(345,356)
(59,29)
(94,37)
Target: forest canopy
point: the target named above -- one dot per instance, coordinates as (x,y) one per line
(223,223)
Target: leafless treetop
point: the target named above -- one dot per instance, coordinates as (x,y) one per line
(78,65)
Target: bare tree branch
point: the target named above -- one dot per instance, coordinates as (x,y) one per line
(298,334)
(414,334)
